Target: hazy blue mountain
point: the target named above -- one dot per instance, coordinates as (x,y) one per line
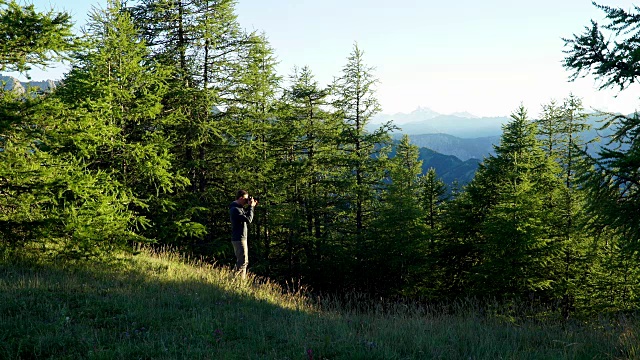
(455,144)
(463,149)
(457,126)
(448,167)
(419,114)
(426,121)
(469,137)
(481,147)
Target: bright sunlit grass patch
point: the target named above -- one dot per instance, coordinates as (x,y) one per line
(157,305)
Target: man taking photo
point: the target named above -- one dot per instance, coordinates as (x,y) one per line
(240,218)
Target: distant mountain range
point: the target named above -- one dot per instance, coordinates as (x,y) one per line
(426,121)
(449,168)
(452,144)
(11,83)
(455,144)
(463,149)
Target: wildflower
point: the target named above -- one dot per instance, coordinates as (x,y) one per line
(309,354)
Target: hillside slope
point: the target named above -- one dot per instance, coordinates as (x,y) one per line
(462,148)
(156,306)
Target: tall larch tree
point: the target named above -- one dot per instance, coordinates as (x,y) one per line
(560,131)
(203,43)
(573,218)
(311,131)
(51,197)
(354,99)
(260,143)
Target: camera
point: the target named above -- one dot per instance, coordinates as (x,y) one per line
(250,199)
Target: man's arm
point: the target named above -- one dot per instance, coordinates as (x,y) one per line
(242,215)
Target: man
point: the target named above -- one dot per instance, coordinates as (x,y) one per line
(240,217)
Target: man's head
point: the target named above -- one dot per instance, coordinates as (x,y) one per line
(242,194)
(243,198)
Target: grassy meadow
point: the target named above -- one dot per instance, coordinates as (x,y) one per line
(159,306)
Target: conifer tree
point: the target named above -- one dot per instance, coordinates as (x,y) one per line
(572,156)
(51,201)
(204,45)
(511,192)
(121,90)
(613,186)
(610,187)
(433,193)
(610,179)
(355,101)
(549,128)
(86,209)
(561,128)
(24,178)
(398,247)
(310,132)
(359,158)
(33,38)
(261,139)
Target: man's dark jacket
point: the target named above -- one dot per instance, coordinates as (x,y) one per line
(240,217)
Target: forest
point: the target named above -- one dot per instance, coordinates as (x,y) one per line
(170,107)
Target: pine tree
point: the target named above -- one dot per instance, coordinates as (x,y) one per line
(359,159)
(204,45)
(51,202)
(121,91)
(511,190)
(310,132)
(612,181)
(398,242)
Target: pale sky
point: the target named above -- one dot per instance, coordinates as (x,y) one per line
(485,57)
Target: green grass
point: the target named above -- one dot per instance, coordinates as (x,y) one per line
(157,306)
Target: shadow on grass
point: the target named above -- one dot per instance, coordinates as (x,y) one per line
(150,307)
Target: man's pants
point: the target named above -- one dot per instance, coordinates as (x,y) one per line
(242,257)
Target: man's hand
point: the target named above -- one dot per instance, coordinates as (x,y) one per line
(253,202)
